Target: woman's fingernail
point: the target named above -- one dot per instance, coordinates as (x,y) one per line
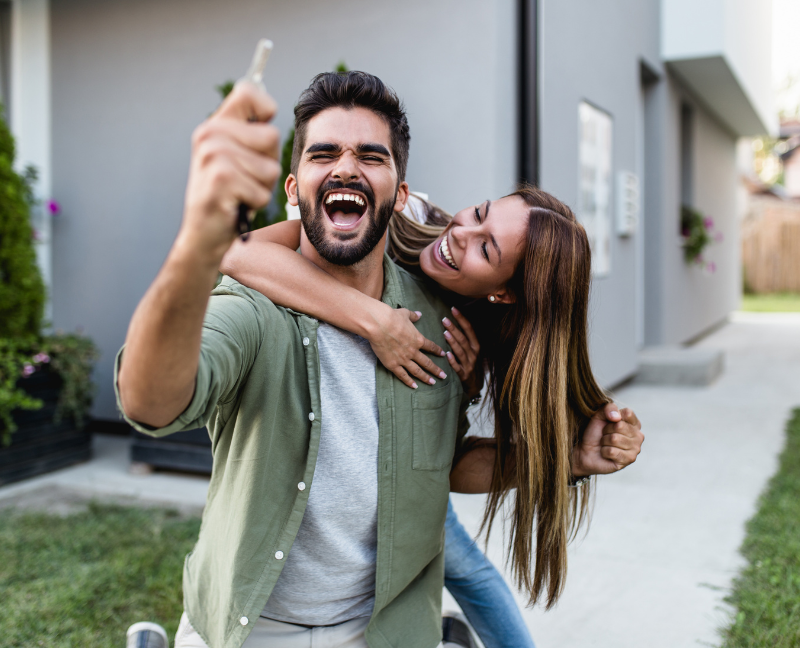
(442,354)
(442,375)
(447,335)
(419,314)
(449,355)
(455,310)
(414,385)
(445,321)
(432,381)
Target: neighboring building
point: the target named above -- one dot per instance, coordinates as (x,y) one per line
(790,156)
(625,109)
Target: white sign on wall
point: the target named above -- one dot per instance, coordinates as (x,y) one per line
(594,197)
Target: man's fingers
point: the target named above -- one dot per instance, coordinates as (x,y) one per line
(261,138)
(463,322)
(611,412)
(629,416)
(261,168)
(246,102)
(617,440)
(620,458)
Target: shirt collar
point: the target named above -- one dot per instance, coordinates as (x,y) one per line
(392,288)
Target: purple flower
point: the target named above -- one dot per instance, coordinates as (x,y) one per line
(708,222)
(40,358)
(712,267)
(718,237)
(53,207)
(28,369)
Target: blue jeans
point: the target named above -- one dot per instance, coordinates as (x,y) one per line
(480,590)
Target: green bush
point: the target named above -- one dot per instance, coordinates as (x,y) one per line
(22,293)
(23,349)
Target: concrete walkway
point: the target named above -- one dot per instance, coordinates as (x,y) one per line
(663,545)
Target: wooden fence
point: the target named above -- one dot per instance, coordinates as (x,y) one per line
(771,245)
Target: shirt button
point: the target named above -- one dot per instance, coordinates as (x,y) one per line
(244,621)
(279,555)
(301,486)
(311,416)
(305,341)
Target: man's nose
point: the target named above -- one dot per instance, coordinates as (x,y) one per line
(346,168)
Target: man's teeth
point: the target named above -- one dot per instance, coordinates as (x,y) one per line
(358,200)
(445,249)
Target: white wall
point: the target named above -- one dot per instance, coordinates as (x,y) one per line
(723,49)
(30,111)
(132,79)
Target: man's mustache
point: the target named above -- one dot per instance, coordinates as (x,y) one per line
(332,185)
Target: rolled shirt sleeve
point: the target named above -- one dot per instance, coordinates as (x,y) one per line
(232,336)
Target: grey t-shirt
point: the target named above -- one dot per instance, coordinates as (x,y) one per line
(329,576)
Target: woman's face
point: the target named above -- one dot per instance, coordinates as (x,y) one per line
(479,250)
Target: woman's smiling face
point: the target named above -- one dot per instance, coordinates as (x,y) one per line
(479,250)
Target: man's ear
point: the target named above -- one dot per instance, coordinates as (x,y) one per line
(401,199)
(291,190)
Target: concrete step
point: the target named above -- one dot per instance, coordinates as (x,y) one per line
(676,365)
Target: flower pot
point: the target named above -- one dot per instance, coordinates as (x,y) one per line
(39,445)
(187,451)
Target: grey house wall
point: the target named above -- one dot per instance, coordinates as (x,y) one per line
(596,52)
(591,51)
(132,79)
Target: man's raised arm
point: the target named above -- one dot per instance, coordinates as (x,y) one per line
(234,160)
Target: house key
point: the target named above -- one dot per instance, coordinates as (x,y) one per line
(255,76)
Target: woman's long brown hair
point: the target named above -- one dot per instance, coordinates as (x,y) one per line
(541,385)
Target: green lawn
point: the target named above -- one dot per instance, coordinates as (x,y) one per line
(766,595)
(772,303)
(81,580)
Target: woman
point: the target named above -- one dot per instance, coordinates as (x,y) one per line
(519,270)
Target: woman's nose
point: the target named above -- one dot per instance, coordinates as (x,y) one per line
(460,234)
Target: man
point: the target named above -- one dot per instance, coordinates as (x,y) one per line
(330,483)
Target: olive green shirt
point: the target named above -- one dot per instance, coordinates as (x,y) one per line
(258,393)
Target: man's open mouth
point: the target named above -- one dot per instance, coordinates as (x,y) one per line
(345,208)
(444,253)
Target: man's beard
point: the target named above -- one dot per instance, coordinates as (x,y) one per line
(334,248)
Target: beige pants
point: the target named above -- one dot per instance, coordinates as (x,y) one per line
(269,634)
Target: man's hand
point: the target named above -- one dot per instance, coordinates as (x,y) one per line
(234,160)
(612,440)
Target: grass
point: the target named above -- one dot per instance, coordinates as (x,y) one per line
(81,580)
(772,303)
(766,596)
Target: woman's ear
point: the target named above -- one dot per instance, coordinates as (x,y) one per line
(502,296)
(291,190)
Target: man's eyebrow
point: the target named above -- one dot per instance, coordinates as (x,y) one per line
(323,147)
(491,236)
(373,148)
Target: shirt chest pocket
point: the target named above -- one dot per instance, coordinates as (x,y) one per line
(435,422)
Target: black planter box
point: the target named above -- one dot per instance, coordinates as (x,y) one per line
(188,451)
(39,445)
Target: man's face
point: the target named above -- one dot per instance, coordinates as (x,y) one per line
(346,184)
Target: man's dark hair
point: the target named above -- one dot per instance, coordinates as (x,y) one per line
(350,90)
